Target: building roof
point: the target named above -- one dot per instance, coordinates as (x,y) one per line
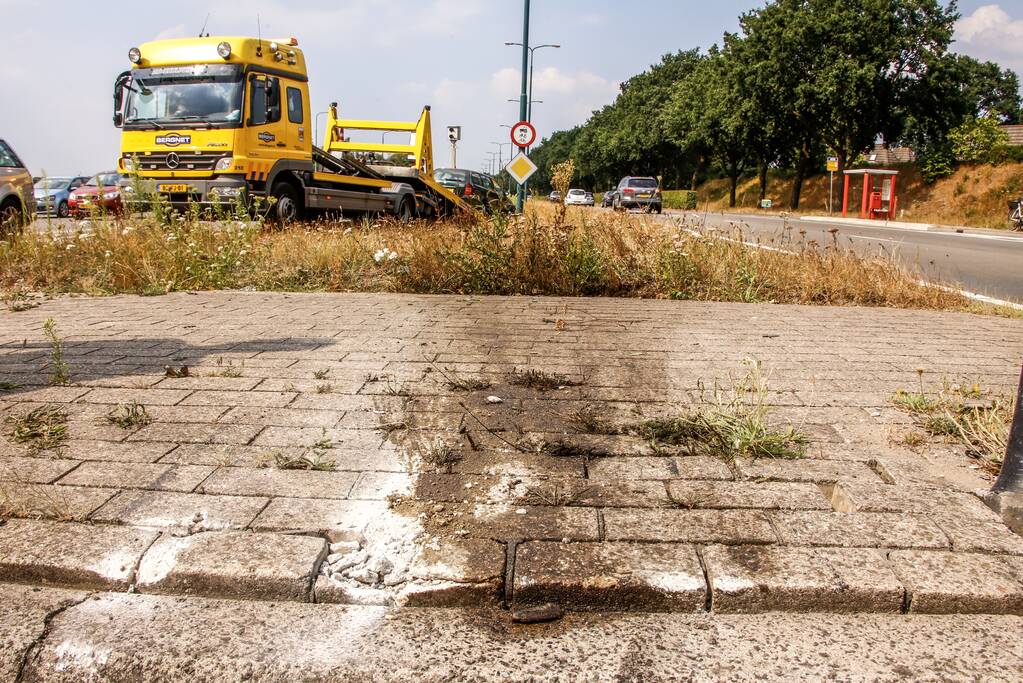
(1015,133)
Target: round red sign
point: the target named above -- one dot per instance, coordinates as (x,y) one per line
(523,134)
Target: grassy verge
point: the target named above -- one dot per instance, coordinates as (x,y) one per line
(584,253)
(961,414)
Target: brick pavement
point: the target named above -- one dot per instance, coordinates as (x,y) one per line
(443,496)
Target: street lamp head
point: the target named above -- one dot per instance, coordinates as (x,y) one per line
(509,44)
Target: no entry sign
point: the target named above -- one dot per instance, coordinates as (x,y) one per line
(523,134)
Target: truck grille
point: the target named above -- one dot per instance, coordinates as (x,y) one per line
(178,161)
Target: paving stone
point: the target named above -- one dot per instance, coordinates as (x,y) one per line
(733,527)
(246,481)
(282,417)
(182,512)
(767,578)
(889,498)
(114,451)
(226,455)
(39,470)
(970,535)
(743,494)
(381,485)
(190,432)
(347,439)
(155,397)
(610,576)
(158,635)
(805,469)
(211,381)
(342,518)
(24,611)
(233,565)
(687,467)
(52,501)
(858,529)
(953,582)
(131,475)
(71,554)
(270,399)
(531,522)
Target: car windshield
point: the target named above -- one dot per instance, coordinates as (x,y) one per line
(444,175)
(53,184)
(576,193)
(171,96)
(643,183)
(106,179)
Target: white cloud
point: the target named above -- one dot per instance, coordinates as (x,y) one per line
(990,33)
(176,31)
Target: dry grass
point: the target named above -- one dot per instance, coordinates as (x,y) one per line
(963,414)
(41,429)
(35,501)
(590,253)
(730,422)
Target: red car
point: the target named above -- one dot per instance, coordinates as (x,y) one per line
(99,193)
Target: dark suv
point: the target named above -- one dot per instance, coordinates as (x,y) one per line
(474,187)
(638,193)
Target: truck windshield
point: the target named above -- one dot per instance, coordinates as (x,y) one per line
(175,96)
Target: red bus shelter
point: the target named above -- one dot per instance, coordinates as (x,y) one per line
(879,200)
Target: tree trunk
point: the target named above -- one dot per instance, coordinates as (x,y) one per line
(763,181)
(733,179)
(797,180)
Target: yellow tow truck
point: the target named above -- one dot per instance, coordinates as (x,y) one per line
(208,120)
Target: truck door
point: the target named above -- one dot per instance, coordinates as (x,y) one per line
(265,127)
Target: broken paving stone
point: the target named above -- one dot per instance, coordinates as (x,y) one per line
(495,399)
(537,615)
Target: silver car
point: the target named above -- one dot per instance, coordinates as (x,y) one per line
(17,201)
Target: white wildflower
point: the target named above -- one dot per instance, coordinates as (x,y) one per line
(392,256)
(108,253)
(69,247)
(171,238)
(381,254)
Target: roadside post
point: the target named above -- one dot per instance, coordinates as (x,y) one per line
(1006,496)
(521,167)
(454,135)
(832,167)
(524,94)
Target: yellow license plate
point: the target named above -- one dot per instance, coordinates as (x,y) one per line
(645,195)
(172,188)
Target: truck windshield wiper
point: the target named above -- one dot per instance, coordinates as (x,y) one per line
(152,122)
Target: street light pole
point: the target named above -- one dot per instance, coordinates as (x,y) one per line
(520,202)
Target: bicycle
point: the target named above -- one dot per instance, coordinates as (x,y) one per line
(1016,214)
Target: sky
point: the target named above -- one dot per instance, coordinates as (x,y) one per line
(382,59)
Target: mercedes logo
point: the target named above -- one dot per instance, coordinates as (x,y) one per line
(172,160)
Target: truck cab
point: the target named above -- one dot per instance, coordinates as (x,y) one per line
(205,120)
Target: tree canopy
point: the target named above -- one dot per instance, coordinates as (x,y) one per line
(800,80)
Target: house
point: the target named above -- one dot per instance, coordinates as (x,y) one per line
(1015,133)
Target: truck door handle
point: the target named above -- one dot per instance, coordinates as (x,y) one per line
(282,144)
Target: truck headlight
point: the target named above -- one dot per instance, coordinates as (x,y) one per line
(224,50)
(224,164)
(127,164)
(135,55)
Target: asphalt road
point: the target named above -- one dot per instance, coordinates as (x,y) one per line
(985,262)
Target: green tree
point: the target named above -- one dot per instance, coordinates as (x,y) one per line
(979,141)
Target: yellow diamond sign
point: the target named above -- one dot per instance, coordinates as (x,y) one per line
(520,168)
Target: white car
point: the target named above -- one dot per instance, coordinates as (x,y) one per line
(578,198)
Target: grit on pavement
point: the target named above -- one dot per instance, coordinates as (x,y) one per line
(423,467)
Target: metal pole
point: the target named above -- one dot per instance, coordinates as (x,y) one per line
(532,65)
(524,93)
(831,193)
(1010,479)
(454,155)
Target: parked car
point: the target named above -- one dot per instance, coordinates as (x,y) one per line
(16,203)
(52,194)
(554,196)
(638,193)
(579,198)
(476,188)
(100,192)
(609,198)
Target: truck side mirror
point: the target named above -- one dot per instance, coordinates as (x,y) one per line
(119,85)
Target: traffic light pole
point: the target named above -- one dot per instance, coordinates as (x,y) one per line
(524,94)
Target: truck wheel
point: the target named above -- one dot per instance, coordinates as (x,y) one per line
(11,219)
(405,212)
(285,210)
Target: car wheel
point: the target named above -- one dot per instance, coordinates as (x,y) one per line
(11,219)
(286,207)
(62,210)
